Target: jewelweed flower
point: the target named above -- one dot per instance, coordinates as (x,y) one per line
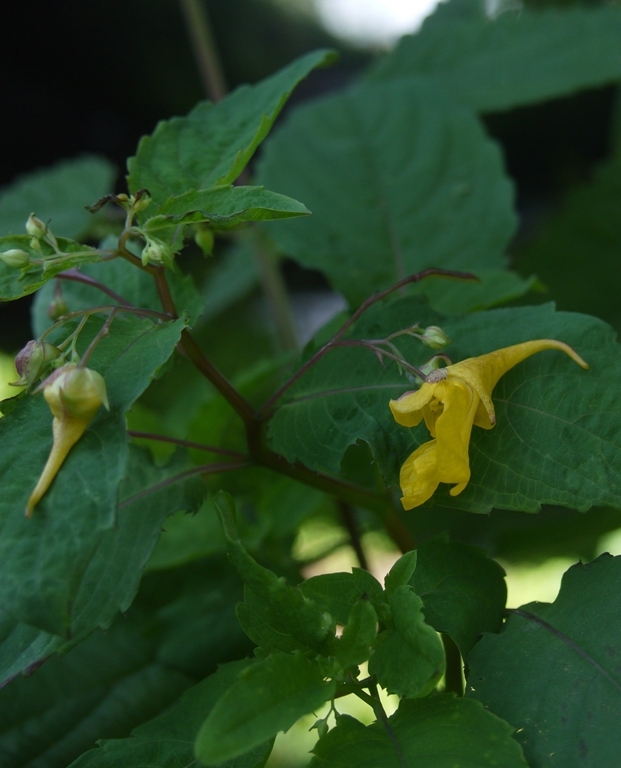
(74,395)
(450,401)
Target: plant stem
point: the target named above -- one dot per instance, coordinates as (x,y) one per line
(185,444)
(210,68)
(204,47)
(103,331)
(415,278)
(380,714)
(79,277)
(348,518)
(453,680)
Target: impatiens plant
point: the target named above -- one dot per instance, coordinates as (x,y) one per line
(155,600)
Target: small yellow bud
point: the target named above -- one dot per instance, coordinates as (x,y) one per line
(35,227)
(74,396)
(15,258)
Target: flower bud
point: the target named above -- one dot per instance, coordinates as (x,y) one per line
(157,252)
(74,396)
(15,258)
(434,337)
(57,308)
(204,238)
(33,360)
(35,227)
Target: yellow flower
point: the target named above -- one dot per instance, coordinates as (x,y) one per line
(450,401)
(74,396)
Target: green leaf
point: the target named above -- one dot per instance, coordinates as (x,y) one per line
(554,670)
(267,697)
(481,60)
(353,647)
(167,741)
(274,614)
(400,573)
(213,144)
(131,284)
(101,689)
(100,575)
(45,559)
(415,183)
(337,593)
(557,434)
(463,591)
(437,732)
(577,249)
(57,195)
(409,659)
(224,207)
(15,283)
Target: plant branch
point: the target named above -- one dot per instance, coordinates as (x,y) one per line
(204,47)
(103,331)
(381,715)
(185,444)
(348,518)
(79,277)
(335,340)
(453,680)
(203,469)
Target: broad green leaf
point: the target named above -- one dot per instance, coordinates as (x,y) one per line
(353,647)
(57,195)
(415,183)
(409,659)
(14,283)
(437,732)
(554,670)
(556,440)
(101,689)
(123,279)
(212,145)
(45,559)
(577,249)
(167,741)
(103,577)
(482,60)
(274,614)
(224,207)
(400,573)
(267,697)
(454,297)
(337,593)
(463,591)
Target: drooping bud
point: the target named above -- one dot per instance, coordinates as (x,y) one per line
(35,227)
(205,239)
(15,258)
(33,361)
(74,395)
(434,337)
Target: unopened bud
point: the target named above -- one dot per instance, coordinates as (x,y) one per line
(140,201)
(74,396)
(57,308)
(33,361)
(204,238)
(157,252)
(35,227)
(434,337)
(15,258)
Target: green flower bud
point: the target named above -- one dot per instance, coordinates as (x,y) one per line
(434,337)
(35,227)
(57,308)
(15,258)
(204,238)
(157,252)
(33,361)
